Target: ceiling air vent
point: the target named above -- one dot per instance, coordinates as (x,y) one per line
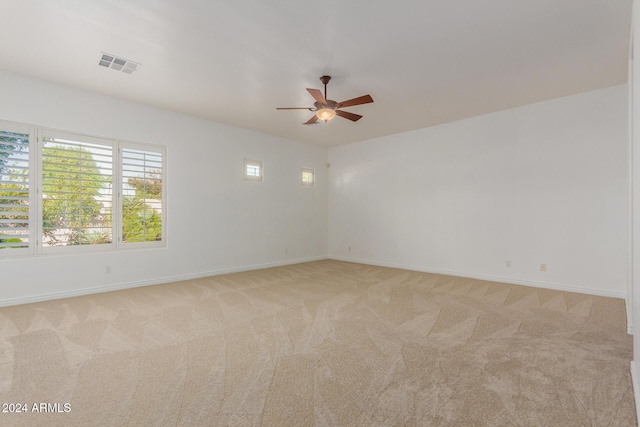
(118,64)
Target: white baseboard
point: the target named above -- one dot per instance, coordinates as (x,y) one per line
(629,314)
(544,285)
(156,281)
(636,390)
(160,280)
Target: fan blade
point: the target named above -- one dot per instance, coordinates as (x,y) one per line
(311,121)
(350,116)
(355,101)
(294,108)
(317,95)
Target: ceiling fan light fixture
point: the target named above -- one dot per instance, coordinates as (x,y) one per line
(326,114)
(326,109)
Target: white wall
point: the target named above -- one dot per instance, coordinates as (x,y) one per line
(544,183)
(634,297)
(217,222)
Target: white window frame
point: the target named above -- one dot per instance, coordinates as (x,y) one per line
(255,164)
(35,247)
(305,172)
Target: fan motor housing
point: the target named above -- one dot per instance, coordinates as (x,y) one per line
(330,104)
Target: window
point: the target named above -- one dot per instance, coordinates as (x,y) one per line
(70,192)
(142,194)
(15,190)
(307,177)
(77,195)
(252,170)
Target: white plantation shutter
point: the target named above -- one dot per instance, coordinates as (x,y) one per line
(15,206)
(142,183)
(77,196)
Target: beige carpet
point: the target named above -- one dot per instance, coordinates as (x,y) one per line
(326,343)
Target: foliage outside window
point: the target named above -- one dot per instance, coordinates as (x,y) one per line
(141,195)
(77,196)
(14,189)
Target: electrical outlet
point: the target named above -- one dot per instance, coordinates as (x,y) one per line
(508,264)
(543,267)
(107,269)
(349,248)
(286,250)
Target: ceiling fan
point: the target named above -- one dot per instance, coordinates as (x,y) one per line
(327,109)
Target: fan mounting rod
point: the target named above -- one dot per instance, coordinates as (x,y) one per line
(325,80)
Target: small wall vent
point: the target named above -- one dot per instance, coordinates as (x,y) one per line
(119,64)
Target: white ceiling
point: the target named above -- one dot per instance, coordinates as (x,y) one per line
(234,61)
